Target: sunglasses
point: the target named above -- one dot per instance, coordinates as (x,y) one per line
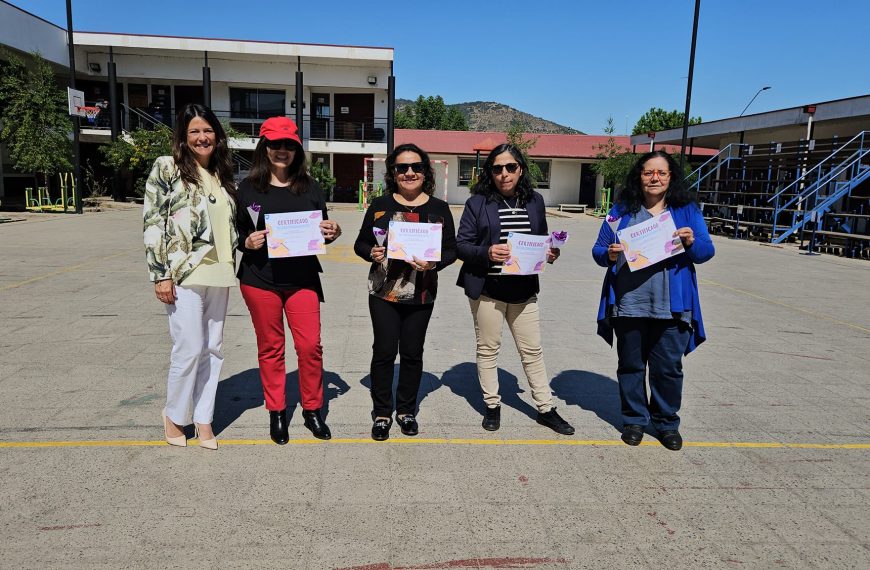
(402,168)
(279,144)
(510,167)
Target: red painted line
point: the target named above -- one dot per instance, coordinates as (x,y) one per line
(467,563)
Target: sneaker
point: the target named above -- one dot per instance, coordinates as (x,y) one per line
(492,419)
(381,429)
(408,424)
(555,422)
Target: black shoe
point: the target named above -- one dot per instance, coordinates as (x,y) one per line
(315,423)
(555,422)
(381,429)
(408,424)
(671,439)
(632,434)
(492,419)
(278,427)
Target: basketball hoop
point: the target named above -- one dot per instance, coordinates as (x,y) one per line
(90,113)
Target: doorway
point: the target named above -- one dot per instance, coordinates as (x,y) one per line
(588,179)
(348,170)
(355,117)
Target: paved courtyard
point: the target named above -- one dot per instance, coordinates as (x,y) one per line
(775,472)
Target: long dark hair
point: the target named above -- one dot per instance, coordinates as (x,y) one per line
(390,174)
(261,171)
(220,162)
(677,194)
(486,185)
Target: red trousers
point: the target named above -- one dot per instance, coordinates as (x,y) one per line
(302,308)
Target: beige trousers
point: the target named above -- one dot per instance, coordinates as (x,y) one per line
(523,320)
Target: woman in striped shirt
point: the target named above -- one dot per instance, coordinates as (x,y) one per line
(503,201)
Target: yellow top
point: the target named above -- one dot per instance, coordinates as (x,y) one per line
(217,268)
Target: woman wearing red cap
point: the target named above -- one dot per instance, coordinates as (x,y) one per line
(279,183)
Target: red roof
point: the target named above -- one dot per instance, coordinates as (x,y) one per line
(548,146)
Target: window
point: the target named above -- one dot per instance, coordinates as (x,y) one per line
(256,103)
(466,167)
(544,166)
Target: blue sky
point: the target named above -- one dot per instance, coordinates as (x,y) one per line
(575,63)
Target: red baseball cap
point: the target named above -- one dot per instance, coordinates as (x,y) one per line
(280,128)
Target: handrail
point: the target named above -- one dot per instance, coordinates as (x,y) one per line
(714,157)
(145,116)
(818,166)
(836,171)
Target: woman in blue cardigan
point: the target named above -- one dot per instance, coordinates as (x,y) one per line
(655,311)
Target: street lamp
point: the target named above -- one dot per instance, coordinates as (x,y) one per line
(765,88)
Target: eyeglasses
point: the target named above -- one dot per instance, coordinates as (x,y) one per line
(511,167)
(402,168)
(279,144)
(663,174)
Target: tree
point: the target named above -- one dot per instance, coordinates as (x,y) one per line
(430,113)
(614,161)
(320,172)
(135,153)
(36,126)
(657,119)
(515,137)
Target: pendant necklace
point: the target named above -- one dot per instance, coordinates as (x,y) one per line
(513,209)
(211,198)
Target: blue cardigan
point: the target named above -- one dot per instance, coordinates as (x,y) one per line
(479,228)
(682,280)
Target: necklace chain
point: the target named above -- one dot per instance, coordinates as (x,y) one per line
(513,209)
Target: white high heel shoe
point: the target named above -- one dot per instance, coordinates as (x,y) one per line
(178,441)
(205,443)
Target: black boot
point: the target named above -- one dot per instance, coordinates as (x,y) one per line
(278,427)
(315,423)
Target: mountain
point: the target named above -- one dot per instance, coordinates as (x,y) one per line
(491,116)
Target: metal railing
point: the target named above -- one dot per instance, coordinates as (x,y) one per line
(815,191)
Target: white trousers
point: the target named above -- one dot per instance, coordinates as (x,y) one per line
(196,324)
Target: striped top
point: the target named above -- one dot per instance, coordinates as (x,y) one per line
(511,219)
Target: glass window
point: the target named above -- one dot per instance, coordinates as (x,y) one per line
(544,166)
(466,168)
(256,103)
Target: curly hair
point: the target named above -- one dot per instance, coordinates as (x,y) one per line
(261,172)
(486,185)
(428,173)
(631,196)
(220,162)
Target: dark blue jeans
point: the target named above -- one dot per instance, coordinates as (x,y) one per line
(658,344)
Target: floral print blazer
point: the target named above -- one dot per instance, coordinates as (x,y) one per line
(178,231)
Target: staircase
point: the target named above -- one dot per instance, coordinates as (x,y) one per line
(817,190)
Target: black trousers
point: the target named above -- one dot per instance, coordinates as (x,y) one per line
(398,329)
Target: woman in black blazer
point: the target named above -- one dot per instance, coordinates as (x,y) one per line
(503,201)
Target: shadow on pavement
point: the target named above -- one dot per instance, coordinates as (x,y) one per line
(462,381)
(243,391)
(428,384)
(592,392)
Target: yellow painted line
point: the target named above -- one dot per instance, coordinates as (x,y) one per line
(63,270)
(781,304)
(436,441)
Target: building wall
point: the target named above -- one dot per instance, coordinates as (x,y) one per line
(25,32)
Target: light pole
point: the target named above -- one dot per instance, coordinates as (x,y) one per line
(765,88)
(689,84)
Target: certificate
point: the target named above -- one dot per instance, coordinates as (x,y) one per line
(528,254)
(407,240)
(293,234)
(650,242)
